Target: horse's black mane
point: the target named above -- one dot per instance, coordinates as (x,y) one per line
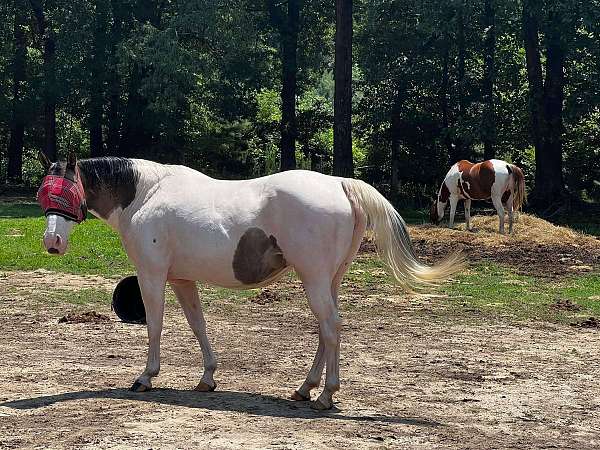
(109,172)
(109,182)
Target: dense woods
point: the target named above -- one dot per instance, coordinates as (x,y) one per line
(391,91)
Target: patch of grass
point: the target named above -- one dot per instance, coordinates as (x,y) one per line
(93,249)
(415,216)
(497,291)
(20,210)
(487,289)
(80,297)
(586,227)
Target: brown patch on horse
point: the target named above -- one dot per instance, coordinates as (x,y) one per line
(476,179)
(257,257)
(505,197)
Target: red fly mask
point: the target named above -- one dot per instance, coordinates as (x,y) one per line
(63,196)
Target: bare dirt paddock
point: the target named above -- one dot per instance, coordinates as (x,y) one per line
(410,380)
(411,377)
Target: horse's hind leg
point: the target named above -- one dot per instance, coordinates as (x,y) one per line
(187,295)
(323,306)
(468,213)
(313,378)
(453,204)
(509,207)
(497,201)
(152,286)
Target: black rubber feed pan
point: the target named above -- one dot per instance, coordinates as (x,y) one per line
(127,301)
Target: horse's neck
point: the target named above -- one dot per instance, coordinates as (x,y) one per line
(149,174)
(114,184)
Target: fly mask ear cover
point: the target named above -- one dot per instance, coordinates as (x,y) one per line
(63,196)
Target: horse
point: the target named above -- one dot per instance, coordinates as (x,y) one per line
(179,226)
(504,183)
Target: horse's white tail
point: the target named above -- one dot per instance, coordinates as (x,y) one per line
(393,241)
(520,194)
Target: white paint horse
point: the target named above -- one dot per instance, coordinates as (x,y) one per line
(504,183)
(179,226)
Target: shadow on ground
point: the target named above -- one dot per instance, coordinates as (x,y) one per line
(233,401)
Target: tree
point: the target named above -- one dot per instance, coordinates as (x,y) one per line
(286,20)
(343,164)
(489,49)
(17,131)
(49,94)
(546,98)
(97,76)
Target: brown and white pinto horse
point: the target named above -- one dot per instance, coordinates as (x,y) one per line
(494,179)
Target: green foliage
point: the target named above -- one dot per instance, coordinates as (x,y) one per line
(199,82)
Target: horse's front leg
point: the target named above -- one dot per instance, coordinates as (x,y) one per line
(152,286)
(187,294)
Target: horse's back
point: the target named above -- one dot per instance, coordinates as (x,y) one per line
(299,215)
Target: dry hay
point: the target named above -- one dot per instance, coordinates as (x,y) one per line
(536,247)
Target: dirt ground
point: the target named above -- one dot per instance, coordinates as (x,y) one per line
(411,377)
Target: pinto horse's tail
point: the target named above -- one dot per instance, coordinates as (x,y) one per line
(393,241)
(520,194)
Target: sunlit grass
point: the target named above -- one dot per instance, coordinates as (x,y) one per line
(487,290)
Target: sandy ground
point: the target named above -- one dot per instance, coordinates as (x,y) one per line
(411,377)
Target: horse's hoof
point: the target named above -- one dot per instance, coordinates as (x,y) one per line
(139,387)
(298,397)
(320,406)
(205,387)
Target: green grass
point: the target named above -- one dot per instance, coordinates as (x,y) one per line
(486,290)
(497,291)
(19,210)
(93,248)
(79,297)
(490,291)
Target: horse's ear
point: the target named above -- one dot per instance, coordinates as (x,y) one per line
(44,160)
(72,160)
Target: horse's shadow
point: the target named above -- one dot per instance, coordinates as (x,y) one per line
(231,401)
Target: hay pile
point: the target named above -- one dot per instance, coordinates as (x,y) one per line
(529,230)
(536,247)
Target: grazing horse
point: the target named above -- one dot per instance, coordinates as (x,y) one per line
(179,226)
(504,183)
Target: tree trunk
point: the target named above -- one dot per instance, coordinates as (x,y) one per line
(489,76)
(287,24)
(531,11)
(545,104)
(551,181)
(343,164)
(98,77)
(120,15)
(49,93)
(17,131)
(395,156)
(460,152)
(444,100)
(135,141)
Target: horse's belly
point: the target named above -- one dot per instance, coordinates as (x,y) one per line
(232,259)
